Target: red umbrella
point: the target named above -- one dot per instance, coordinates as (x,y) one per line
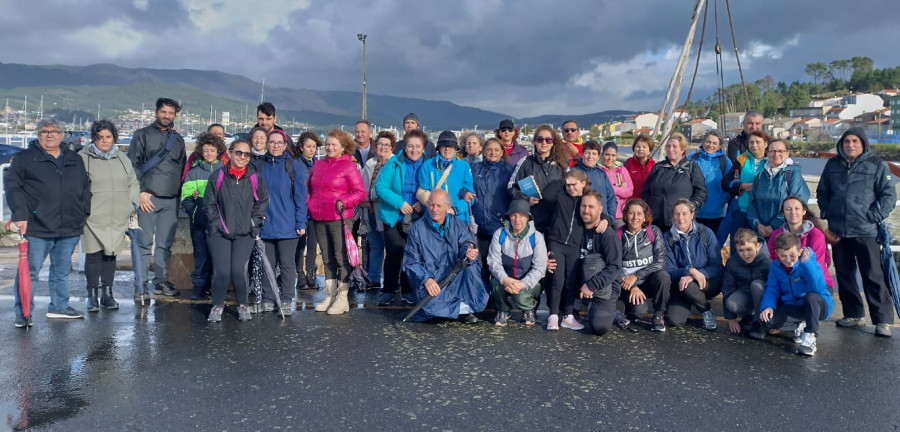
(24,274)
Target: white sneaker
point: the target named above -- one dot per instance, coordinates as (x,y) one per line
(807,344)
(570,322)
(798,332)
(553,322)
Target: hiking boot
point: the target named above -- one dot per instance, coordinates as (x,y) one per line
(106,298)
(267,306)
(469,318)
(21,323)
(244,313)
(553,322)
(330,295)
(807,344)
(385,299)
(341,304)
(197,293)
(883,330)
(169,289)
(709,320)
(301,281)
(215,315)
(158,288)
(67,313)
(92,304)
(286,309)
(659,323)
(756,331)
(501,319)
(798,332)
(312,282)
(570,322)
(528,318)
(848,322)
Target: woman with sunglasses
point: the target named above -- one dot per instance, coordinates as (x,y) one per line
(508,134)
(547,165)
(235,202)
(285,178)
(335,188)
(779,179)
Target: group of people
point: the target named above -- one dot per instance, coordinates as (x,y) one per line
(465,221)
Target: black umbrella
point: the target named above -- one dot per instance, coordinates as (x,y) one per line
(262,276)
(359,278)
(446,280)
(889,266)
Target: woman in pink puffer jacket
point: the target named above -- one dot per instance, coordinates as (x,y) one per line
(334,181)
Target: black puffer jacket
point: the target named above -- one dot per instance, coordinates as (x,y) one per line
(738,275)
(855,196)
(55,200)
(670,182)
(545,173)
(233,210)
(163,180)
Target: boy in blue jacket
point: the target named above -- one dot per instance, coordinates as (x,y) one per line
(796,292)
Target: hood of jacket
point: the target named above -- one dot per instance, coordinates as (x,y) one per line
(702,154)
(862,137)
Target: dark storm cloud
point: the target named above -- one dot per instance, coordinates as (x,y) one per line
(522,57)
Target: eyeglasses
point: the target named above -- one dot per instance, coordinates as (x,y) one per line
(278,143)
(241,154)
(50,132)
(539,140)
(381,144)
(777,151)
(506,129)
(569,130)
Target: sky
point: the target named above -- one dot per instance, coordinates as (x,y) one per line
(522,57)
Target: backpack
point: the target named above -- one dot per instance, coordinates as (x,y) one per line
(646,228)
(503,239)
(289,167)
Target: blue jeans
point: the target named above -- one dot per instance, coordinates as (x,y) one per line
(60,250)
(376,249)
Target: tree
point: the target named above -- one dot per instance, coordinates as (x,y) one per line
(840,68)
(816,70)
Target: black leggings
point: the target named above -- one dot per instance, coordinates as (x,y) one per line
(334,251)
(566,280)
(99,269)
(230,259)
(394,244)
(679,309)
(280,253)
(308,244)
(656,286)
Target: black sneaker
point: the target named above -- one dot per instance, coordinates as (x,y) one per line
(67,313)
(374,286)
(756,331)
(159,288)
(501,319)
(848,322)
(20,322)
(169,289)
(469,319)
(528,318)
(385,299)
(29,322)
(409,299)
(659,323)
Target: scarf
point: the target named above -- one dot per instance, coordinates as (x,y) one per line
(105,156)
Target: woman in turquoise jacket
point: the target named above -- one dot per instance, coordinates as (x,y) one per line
(458,182)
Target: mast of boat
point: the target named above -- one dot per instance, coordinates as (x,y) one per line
(98,111)
(670,103)
(262,91)
(6,111)
(41,109)
(25,116)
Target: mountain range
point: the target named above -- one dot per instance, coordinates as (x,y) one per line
(80,89)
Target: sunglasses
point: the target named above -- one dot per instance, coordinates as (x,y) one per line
(567,130)
(241,154)
(506,129)
(548,140)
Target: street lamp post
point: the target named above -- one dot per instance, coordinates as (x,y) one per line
(362,38)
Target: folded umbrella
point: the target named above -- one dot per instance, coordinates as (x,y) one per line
(443,283)
(264,275)
(359,278)
(23,274)
(889,266)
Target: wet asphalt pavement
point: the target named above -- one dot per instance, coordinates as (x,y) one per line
(163,367)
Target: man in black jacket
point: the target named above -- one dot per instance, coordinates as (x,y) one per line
(157,153)
(601,255)
(410,123)
(49,194)
(737,145)
(266,117)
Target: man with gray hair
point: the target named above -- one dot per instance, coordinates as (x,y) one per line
(436,243)
(49,193)
(737,145)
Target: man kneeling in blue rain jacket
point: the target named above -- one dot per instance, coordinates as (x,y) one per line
(435,244)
